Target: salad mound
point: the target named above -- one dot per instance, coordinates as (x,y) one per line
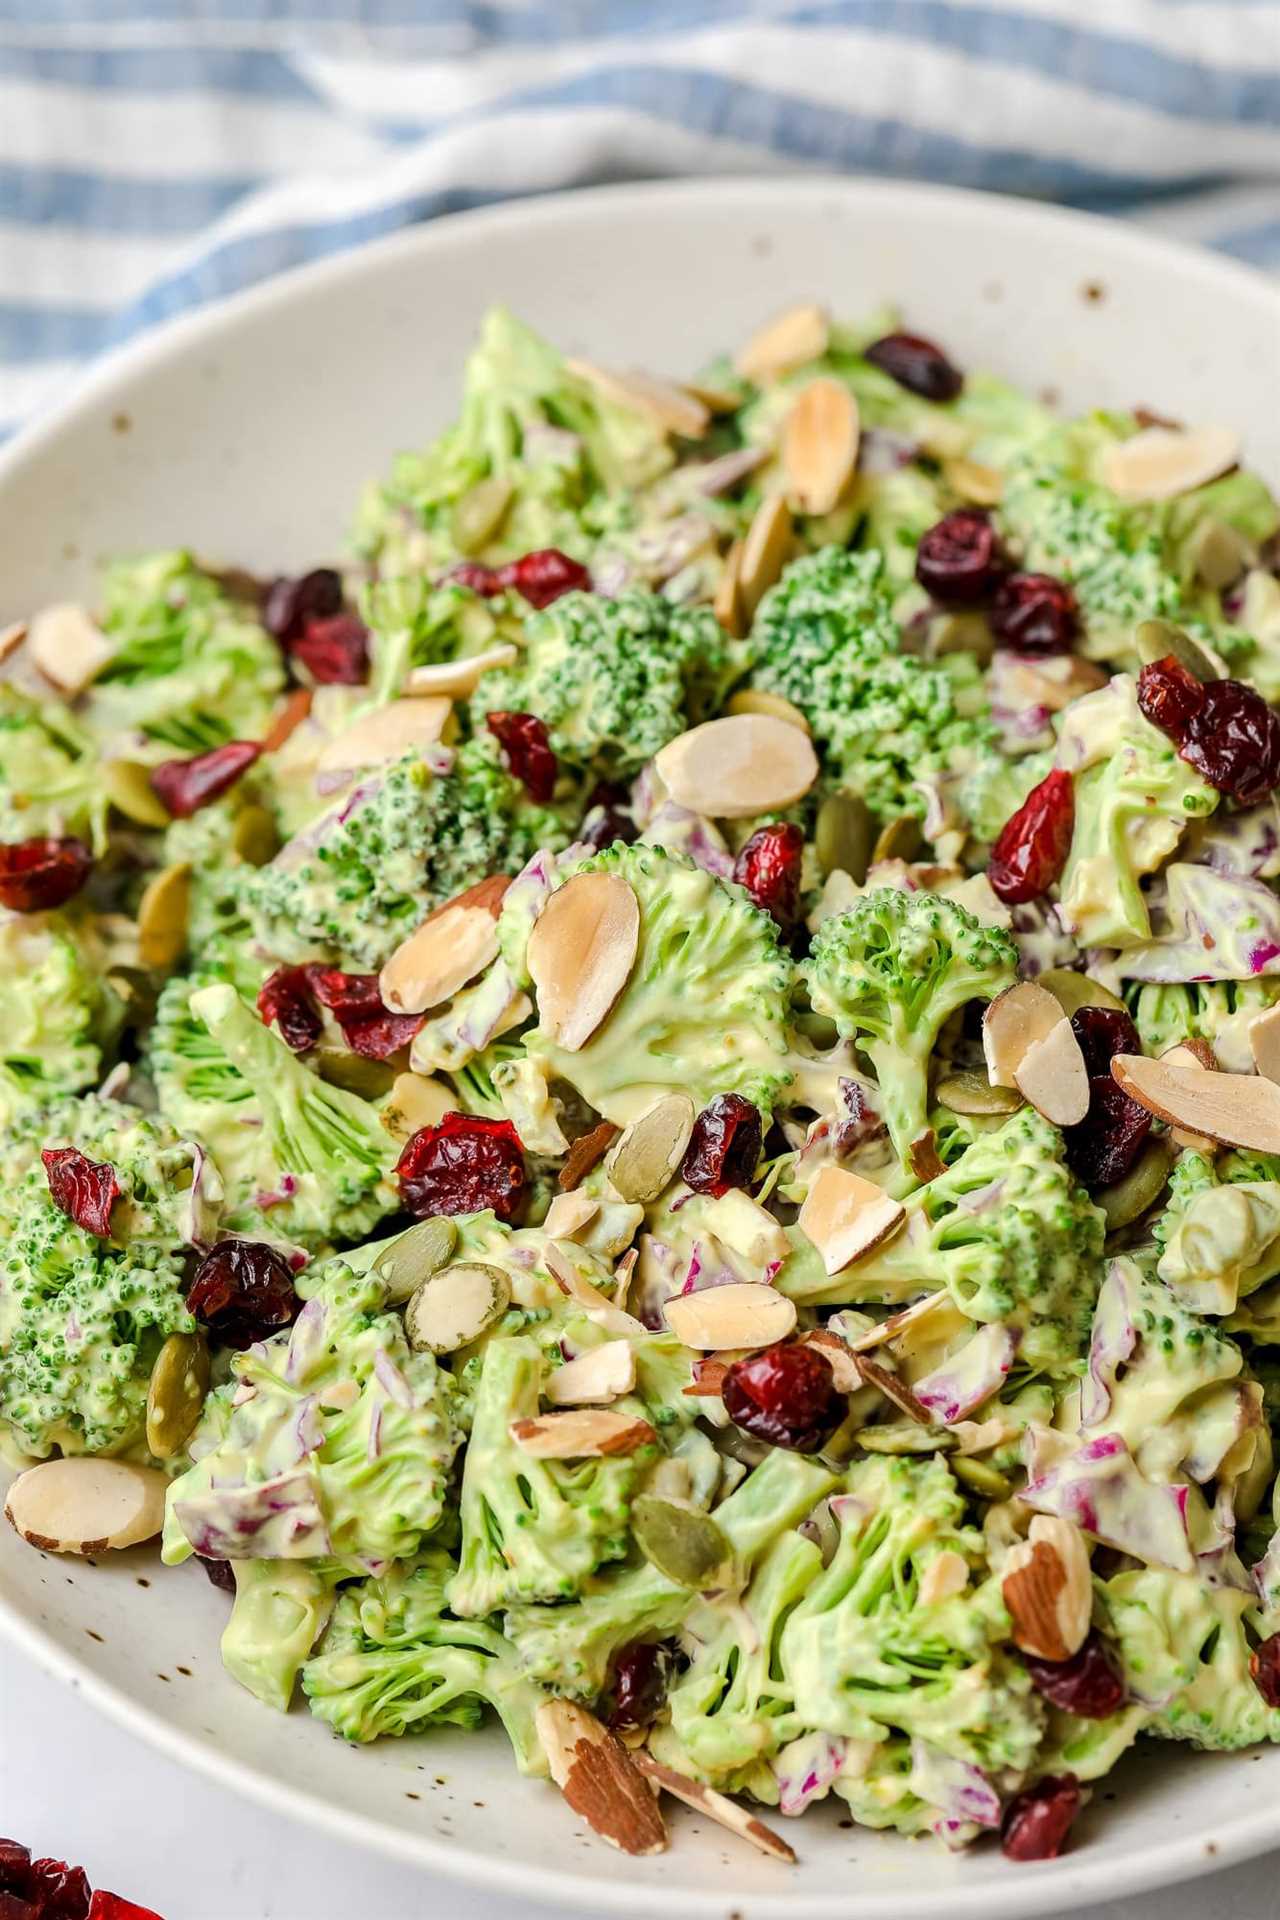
(653,1113)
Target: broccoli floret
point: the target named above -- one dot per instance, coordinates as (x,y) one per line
(825,639)
(1219,1234)
(320,1167)
(279,1612)
(890,971)
(50,772)
(354,884)
(82,1318)
(614,680)
(337,1446)
(704,1010)
(394,1661)
(413,623)
(1134,795)
(995,787)
(56,1012)
(1185,1645)
(223,844)
(191,667)
(1219,1011)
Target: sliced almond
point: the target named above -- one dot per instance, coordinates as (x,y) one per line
(783,344)
(676,409)
(586,1152)
(747,1228)
(415,1101)
(67,646)
(595,1304)
(739,766)
(1160,462)
(946,1575)
(1013,1022)
(163,913)
(727,605)
(1052,1075)
(1236,1109)
(581,1434)
(127,785)
(480,511)
(1193,1053)
(599,1778)
(288,717)
(569,1213)
(580,955)
(459,678)
(448,950)
(1052,682)
(455,1306)
(978,485)
(602,1373)
(820,445)
(896,1391)
(846,1216)
(923,1157)
(756,700)
(899,1323)
(840,1356)
(1048,1589)
(11,638)
(644,1158)
(708,1378)
(716,1806)
(742,1314)
(765,552)
(386,734)
(716,400)
(1264,1043)
(83,1504)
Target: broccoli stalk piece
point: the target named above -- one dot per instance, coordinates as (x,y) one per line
(324,1159)
(1186,1644)
(394,1661)
(1219,1011)
(50,772)
(890,971)
(279,1612)
(531,1529)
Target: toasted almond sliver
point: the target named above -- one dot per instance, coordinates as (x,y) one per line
(790,340)
(12,637)
(1264,1043)
(569,1213)
(843,1361)
(602,1373)
(820,445)
(288,717)
(459,678)
(1193,1053)
(1160,462)
(1236,1109)
(738,766)
(708,1378)
(163,912)
(586,1152)
(1052,1075)
(727,604)
(846,1216)
(580,955)
(676,409)
(67,646)
(899,1322)
(923,1157)
(386,734)
(894,1390)
(1013,1022)
(765,552)
(447,950)
(1048,1589)
(646,1154)
(589,1433)
(946,1575)
(82,1504)
(716,1806)
(756,700)
(415,1101)
(742,1314)
(599,1778)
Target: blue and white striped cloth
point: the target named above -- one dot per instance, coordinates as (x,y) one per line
(159,153)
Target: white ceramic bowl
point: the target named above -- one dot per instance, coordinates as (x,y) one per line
(247,432)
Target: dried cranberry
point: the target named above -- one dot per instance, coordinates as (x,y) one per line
(466,1164)
(1234,742)
(959,560)
(1264,1669)
(368,1027)
(486,581)
(14,1907)
(42,873)
(334,651)
(1035,613)
(60,1892)
(242,1291)
(290,603)
(1169,697)
(220,1575)
(284,1001)
(1031,848)
(543,576)
(109,1906)
(527,746)
(1101,1148)
(724,1145)
(184,786)
(785,1395)
(640,1676)
(606,827)
(15,1866)
(85,1190)
(1103,1032)
(769,868)
(1038,1820)
(915,364)
(1089,1683)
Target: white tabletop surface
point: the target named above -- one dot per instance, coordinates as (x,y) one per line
(73,1785)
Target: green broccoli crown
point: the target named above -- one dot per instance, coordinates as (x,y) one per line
(614,680)
(199,1090)
(1186,1645)
(415,623)
(53,1013)
(1219,1232)
(50,772)
(223,844)
(191,667)
(1219,1011)
(890,971)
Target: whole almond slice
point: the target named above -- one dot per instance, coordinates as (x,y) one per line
(1264,1043)
(646,1154)
(1236,1109)
(820,445)
(602,1373)
(788,341)
(68,647)
(580,955)
(676,409)
(599,1778)
(416,1100)
(581,1434)
(1193,1053)
(738,766)
(846,1216)
(1052,1075)
(765,552)
(1048,1589)
(716,1806)
(459,678)
(1013,1022)
(389,733)
(743,1314)
(455,1306)
(82,1504)
(1160,462)
(569,1213)
(447,950)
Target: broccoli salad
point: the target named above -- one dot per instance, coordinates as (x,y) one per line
(651,1112)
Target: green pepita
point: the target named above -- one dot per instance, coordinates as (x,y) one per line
(844,835)
(981,1478)
(163,912)
(255,838)
(1156,639)
(899,839)
(1140,1188)
(971,1093)
(1074,990)
(176,1393)
(455,1306)
(128,787)
(480,512)
(414,1256)
(646,1154)
(679,1540)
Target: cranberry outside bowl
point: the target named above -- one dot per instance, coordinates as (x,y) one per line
(246,432)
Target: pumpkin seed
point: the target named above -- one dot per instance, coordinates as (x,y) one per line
(351,1071)
(176,1393)
(978,485)
(980,1477)
(1218,553)
(899,839)
(480,512)
(1129,1198)
(255,837)
(413,1257)
(727,604)
(756,700)
(962,633)
(162,917)
(455,1306)
(128,787)
(905,1436)
(679,1540)
(1156,639)
(1074,990)
(646,1155)
(843,836)
(971,1093)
